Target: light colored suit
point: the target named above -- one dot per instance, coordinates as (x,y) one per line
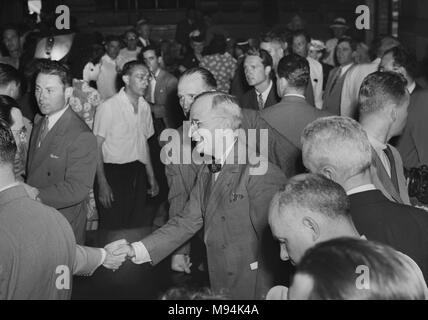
(234,214)
(317,79)
(37,247)
(63,168)
(351,87)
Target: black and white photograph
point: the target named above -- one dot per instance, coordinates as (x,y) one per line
(227,151)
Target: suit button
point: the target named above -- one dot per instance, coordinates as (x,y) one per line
(223,247)
(223,218)
(49,174)
(230,274)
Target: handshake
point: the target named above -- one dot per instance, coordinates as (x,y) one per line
(117,252)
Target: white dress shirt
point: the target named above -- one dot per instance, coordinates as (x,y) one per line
(359,189)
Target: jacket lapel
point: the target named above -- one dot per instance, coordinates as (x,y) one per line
(222,189)
(52,140)
(33,140)
(384,181)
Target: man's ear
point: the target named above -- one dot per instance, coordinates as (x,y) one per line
(313,226)
(160,61)
(125,79)
(328,172)
(268,70)
(68,92)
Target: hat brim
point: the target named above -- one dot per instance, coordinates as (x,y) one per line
(339,26)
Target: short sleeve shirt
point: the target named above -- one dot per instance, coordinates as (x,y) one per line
(125,132)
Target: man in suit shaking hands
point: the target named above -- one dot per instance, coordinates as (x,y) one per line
(230,200)
(62,152)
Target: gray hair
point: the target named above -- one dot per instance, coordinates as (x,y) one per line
(317,194)
(224,106)
(340,142)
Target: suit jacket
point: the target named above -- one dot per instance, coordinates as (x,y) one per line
(166,99)
(249,99)
(181,176)
(412,144)
(333,95)
(400,226)
(383,181)
(63,168)
(351,87)
(234,214)
(290,116)
(34,241)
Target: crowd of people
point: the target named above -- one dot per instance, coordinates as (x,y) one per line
(297,181)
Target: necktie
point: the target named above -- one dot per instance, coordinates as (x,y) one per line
(260,101)
(152,88)
(390,157)
(335,79)
(214,167)
(43,131)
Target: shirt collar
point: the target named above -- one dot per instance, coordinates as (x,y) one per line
(228,151)
(157,73)
(363,188)
(53,118)
(266,92)
(346,68)
(294,95)
(107,58)
(412,87)
(15,184)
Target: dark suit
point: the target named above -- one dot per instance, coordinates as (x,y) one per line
(233,212)
(239,84)
(402,227)
(63,168)
(249,99)
(290,116)
(333,91)
(166,98)
(412,145)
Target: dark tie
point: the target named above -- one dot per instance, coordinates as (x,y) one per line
(43,131)
(260,101)
(390,157)
(214,167)
(335,79)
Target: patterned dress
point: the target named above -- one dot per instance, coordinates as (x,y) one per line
(223,67)
(84,101)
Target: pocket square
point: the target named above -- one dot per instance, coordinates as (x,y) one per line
(54,156)
(236,196)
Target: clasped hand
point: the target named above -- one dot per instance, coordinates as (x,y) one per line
(117,252)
